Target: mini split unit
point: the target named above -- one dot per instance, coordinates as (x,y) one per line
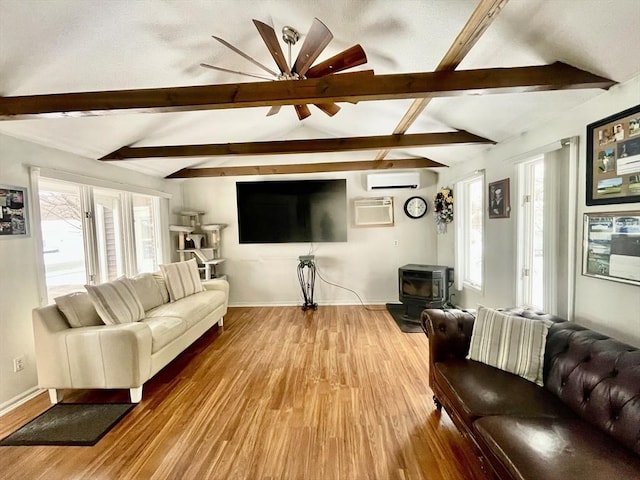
(379,181)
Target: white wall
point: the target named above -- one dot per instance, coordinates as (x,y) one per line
(609,307)
(368,262)
(19,282)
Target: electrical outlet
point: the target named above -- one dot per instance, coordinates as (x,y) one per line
(396,243)
(18,364)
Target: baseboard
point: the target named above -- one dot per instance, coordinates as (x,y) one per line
(18,400)
(298,304)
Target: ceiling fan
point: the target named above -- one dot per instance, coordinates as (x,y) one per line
(314,43)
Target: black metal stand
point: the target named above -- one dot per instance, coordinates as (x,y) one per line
(307,278)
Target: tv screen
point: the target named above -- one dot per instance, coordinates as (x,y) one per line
(292,211)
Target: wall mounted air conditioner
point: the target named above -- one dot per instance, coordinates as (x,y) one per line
(373,212)
(378,181)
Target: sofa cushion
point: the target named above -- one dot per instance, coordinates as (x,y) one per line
(183,279)
(599,378)
(555,448)
(78,309)
(481,390)
(116,302)
(148,290)
(509,342)
(162,285)
(191,309)
(164,330)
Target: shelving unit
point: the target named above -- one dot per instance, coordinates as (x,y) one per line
(202,242)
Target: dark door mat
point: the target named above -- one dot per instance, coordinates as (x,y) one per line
(71,424)
(406,324)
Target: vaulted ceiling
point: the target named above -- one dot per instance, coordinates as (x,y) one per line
(144,101)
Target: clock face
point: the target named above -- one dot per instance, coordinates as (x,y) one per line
(415,207)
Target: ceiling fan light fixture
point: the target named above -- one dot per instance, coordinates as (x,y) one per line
(290,35)
(316,39)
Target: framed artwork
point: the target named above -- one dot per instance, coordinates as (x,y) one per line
(611,246)
(499,206)
(14,220)
(613,159)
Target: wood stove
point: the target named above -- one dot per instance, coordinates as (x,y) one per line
(423,286)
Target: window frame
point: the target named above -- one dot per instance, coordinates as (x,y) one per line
(464,213)
(127,242)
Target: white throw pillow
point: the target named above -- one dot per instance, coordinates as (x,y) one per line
(78,309)
(509,342)
(148,290)
(116,302)
(183,279)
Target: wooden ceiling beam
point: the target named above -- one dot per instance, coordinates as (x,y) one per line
(483,16)
(305,168)
(347,87)
(284,147)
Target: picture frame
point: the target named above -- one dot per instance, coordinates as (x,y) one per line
(498,201)
(611,246)
(613,159)
(14,213)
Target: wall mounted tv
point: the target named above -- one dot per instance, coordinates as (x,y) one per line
(292,211)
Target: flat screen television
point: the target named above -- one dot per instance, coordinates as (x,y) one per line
(291,211)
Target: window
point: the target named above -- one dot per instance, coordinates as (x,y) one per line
(146,228)
(470,228)
(531,226)
(63,247)
(108,221)
(544,230)
(94,235)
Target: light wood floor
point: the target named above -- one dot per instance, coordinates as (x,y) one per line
(340,393)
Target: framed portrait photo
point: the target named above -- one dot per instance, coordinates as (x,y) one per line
(499,206)
(613,159)
(14,219)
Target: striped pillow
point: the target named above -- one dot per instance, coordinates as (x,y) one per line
(182,278)
(509,342)
(116,302)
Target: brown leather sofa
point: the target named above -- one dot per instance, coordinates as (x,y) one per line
(583,424)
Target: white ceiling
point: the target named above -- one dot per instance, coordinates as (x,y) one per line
(57,46)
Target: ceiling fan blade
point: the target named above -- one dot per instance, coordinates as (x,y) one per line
(302,111)
(274,110)
(329,108)
(268,34)
(244,55)
(351,57)
(213,67)
(316,40)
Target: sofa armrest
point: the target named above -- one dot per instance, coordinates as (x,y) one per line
(218,284)
(449,333)
(108,356)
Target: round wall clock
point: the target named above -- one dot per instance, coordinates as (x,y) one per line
(415,207)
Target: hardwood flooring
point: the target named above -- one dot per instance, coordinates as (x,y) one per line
(339,393)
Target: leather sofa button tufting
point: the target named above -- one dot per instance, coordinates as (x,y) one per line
(442,328)
(614,373)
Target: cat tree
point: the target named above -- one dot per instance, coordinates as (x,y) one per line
(202,242)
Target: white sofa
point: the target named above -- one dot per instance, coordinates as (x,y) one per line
(75,349)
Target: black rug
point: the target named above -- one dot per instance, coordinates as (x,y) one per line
(72,424)
(406,324)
